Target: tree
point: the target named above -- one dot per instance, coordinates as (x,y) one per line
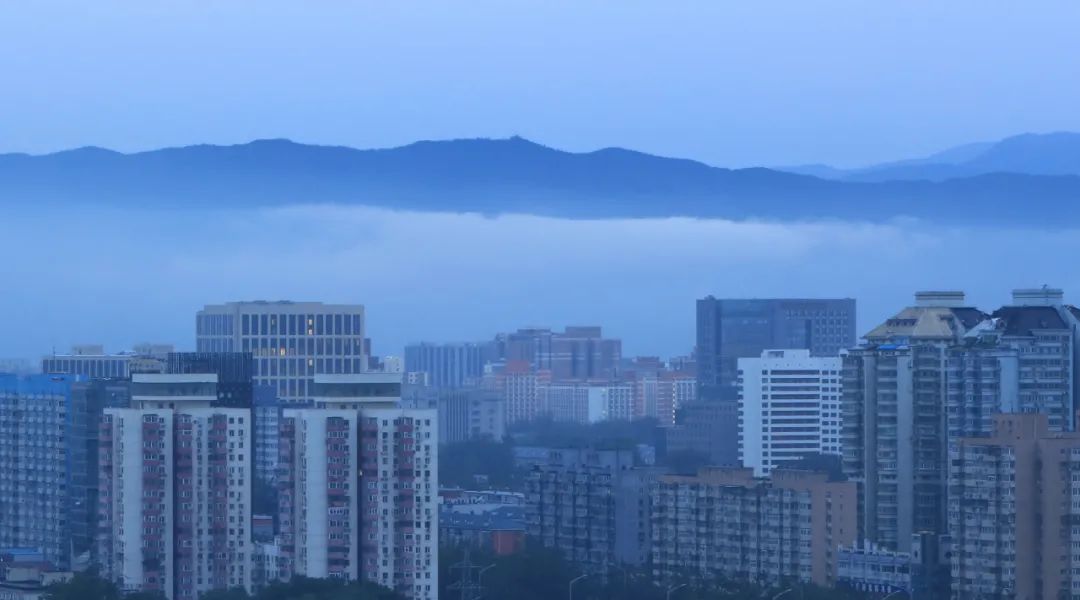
(461,462)
(229,594)
(83,586)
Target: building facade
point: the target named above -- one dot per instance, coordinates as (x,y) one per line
(1014,509)
(266,417)
(48,464)
(291,342)
(591,506)
(235,373)
(728,330)
(358,486)
(587,402)
(91,361)
(174,507)
(578,352)
(893,405)
(520,386)
(725,522)
(789,407)
(446,365)
(1023,358)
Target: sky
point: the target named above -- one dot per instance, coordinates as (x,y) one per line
(730,83)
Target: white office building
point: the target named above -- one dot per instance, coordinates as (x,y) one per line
(291,342)
(789,406)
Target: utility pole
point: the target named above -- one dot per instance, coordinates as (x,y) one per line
(470,586)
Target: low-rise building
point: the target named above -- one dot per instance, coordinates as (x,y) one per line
(591,506)
(1014,506)
(725,522)
(867,567)
(499,530)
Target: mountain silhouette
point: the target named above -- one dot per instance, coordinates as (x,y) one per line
(1029,153)
(515,175)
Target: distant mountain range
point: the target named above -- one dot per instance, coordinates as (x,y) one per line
(1031,154)
(1030,180)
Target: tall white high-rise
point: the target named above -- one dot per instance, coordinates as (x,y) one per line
(175,489)
(789,406)
(291,342)
(358,486)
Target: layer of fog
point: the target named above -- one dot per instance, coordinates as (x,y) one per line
(120,278)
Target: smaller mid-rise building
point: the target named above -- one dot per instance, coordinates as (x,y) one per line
(92,361)
(1014,502)
(919,574)
(725,522)
(587,402)
(591,506)
(789,407)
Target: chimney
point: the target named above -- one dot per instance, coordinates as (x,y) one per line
(1044,296)
(939,299)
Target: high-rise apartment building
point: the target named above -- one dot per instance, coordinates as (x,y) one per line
(464,413)
(48,464)
(519,386)
(893,404)
(578,352)
(1014,509)
(358,486)
(728,330)
(587,402)
(1023,358)
(291,342)
(175,489)
(447,365)
(659,392)
(726,523)
(592,507)
(789,407)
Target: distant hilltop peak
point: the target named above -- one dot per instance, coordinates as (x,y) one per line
(1056,153)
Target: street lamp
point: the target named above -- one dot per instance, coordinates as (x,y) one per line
(671,590)
(480,576)
(787,591)
(572,582)
(625,575)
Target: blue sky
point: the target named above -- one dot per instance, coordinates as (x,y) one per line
(730,83)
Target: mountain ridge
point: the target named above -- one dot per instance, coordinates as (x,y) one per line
(511,175)
(1056,153)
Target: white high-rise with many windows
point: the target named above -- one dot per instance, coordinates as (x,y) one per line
(175,489)
(358,486)
(291,342)
(789,406)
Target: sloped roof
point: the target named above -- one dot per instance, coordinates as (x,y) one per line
(1023,320)
(928,322)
